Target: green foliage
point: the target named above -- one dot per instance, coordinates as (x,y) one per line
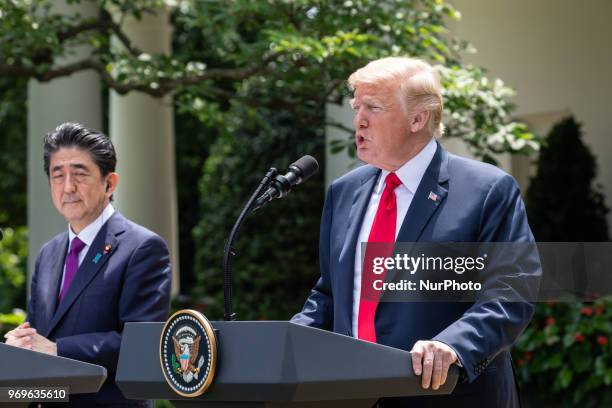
(192,146)
(163,404)
(566,350)
(477,110)
(562,202)
(13,138)
(13,261)
(300,51)
(276,260)
(566,347)
(9,321)
(306,51)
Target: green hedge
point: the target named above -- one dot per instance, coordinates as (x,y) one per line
(13,264)
(13,261)
(277,249)
(566,351)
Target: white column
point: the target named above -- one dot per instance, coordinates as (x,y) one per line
(338,164)
(76,98)
(142,130)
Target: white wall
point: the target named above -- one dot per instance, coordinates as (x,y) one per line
(557,54)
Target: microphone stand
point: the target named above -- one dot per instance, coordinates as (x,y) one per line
(229,252)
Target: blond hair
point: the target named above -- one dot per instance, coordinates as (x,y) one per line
(419,86)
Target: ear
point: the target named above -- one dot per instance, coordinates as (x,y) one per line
(111,184)
(419,121)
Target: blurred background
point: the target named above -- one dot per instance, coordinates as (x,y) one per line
(201,97)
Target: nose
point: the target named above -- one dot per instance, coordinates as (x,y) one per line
(360,121)
(69,185)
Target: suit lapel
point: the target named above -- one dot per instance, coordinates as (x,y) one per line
(426,201)
(361,197)
(96,258)
(50,281)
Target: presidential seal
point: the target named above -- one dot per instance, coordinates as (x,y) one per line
(188,353)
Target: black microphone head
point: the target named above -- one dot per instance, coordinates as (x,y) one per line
(307,167)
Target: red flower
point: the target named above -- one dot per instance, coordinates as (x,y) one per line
(579,338)
(550,321)
(528,355)
(586,310)
(599,310)
(602,340)
(520,362)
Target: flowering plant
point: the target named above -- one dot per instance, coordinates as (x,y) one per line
(565,350)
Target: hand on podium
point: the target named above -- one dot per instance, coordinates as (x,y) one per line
(432,359)
(26,337)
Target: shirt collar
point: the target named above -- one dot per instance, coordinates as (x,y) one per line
(411,172)
(88,234)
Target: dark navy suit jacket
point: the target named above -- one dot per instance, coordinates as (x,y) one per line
(476,202)
(129,283)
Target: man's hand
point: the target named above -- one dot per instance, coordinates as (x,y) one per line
(432,359)
(24,336)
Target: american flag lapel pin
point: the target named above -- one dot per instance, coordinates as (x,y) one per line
(433,197)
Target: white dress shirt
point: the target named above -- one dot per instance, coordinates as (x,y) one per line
(88,235)
(410,174)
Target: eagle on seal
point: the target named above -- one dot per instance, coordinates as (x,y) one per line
(187,355)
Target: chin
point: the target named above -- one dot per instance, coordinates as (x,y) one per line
(366,158)
(72,215)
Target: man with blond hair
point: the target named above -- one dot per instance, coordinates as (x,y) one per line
(412,190)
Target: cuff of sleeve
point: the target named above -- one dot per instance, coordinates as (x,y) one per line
(63,348)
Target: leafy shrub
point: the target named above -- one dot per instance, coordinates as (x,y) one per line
(13,263)
(9,321)
(277,250)
(565,350)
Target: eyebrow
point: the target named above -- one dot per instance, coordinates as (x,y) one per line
(77,166)
(372,100)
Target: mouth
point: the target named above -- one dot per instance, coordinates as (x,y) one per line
(359,140)
(71,202)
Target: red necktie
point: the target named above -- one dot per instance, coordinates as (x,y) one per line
(72,265)
(383,231)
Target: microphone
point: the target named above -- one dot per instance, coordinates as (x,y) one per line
(300,171)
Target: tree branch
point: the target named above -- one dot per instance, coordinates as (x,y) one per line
(165,86)
(121,36)
(104,25)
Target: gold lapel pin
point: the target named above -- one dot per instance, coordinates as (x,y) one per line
(107,248)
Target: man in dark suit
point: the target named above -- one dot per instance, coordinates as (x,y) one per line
(413,190)
(102,272)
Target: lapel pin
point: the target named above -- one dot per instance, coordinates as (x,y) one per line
(107,248)
(97,257)
(433,196)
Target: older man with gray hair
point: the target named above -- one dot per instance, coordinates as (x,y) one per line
(412,190)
